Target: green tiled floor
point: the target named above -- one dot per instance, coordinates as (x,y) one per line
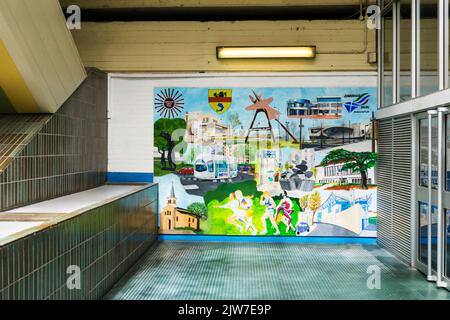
(175,270)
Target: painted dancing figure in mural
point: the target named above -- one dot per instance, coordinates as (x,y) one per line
(238,219)
(286,208)
(268,202)
(246,204)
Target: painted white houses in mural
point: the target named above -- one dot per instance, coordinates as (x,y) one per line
(205,128)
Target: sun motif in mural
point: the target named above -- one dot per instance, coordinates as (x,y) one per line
(169,103)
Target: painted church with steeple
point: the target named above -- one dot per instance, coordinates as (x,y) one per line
(174,218)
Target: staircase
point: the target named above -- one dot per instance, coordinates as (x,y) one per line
(40,67)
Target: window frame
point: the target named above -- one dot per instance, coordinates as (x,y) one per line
(443,49)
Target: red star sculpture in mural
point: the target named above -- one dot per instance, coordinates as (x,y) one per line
(263,104)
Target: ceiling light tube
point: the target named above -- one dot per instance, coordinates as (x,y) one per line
(289,52)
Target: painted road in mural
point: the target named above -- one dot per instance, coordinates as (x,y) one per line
(266,161)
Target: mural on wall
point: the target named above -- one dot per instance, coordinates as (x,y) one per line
(266,161)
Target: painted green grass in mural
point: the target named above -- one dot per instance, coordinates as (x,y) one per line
(224,190)
(217,222)
(288,144)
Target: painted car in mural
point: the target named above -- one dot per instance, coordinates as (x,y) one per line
(266,161)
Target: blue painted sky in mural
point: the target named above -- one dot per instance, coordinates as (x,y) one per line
(196,99)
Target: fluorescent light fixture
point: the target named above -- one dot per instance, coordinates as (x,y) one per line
(266,52)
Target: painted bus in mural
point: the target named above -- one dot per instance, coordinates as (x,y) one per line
(211,167)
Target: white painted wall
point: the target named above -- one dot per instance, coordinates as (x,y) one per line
(130,125)
(131,105)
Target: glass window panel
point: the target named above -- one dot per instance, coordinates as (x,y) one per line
(423,153)
(405,50)
(423,234)
(387,59)
(429,81)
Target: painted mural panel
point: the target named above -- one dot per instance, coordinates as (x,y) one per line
(266,161)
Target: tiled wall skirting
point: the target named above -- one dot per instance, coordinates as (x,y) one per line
(104,242)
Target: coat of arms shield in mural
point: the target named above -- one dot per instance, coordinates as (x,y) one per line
(220,99)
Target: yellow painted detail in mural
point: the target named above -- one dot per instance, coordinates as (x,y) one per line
(13,84)
(220,100)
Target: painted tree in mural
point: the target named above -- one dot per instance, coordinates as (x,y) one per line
(314,204)
(303,201)
(192,155)
(352,161)
(314,172)
(199,210)
(163,131)
(234,120)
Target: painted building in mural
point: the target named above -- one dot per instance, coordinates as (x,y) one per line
(248,165)
(205,128)
(323,108)
(355,131)
(173,218)
(335,174)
